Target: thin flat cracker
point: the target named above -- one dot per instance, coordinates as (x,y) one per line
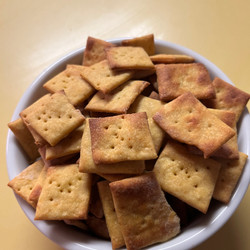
(167,58)
(75,87)
(146,42)
(186,120)
(110,215)
(124,58)
(54,118)
(188,177)
(119,100)
(142,211)
(95,51)
(65,194)
(102,78)
(177,79)
(228,178)
(87,165)
(150,106)
(25,138)
(115,177)
(23,183)
(121,138)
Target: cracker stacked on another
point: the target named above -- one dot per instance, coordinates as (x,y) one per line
(131,143)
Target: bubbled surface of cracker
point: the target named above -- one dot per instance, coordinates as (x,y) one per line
(229,176)
(23,183)
(87,165)
(65,194)
(119,100)
(177,79)
(102,78)
(121,138)
(54,118)
(143,213)
(134,58)
(146,42)
(188,177)
(186,120)
(167,58)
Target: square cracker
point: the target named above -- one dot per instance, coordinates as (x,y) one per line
(110,215)
(150,106)
(24,137)
(65,194)
(87,165)
(95,51)
(53,117)
(102,78)
(228,97)
(121,138)
(167,58)
(75,87)
(146,42)
(228,177)
(142,211)
(188,177)
(186,120)
(123,58)
(119,100)
(177,79)
(23,183)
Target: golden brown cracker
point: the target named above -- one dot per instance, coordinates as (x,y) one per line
(167,58)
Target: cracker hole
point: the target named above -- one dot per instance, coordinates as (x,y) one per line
(38,118)
(181,168)
(108,75)
(58,185)
(30,188)
(45,129)
(172,159)
(196,185)
(189,130)
(208,168)
(175,174)
(51,199)
(122,139)
(69,191)
(45,120)
(190,111)
(70,116)
(18,189)
(209,125)
(188,176)
(79,178)
(119,127)
(112,146)
(106,127)
(130,146)
(50,182)
(176,122)
(70,184)
(196,170)
(59,116)
(122,117)
(49,117)
(186,171)
(61,190)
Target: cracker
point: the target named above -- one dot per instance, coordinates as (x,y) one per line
(37,189)
(95,51)
(77,223)
(141,74)
(121,138)
(123,58)
(75,87)
(146,42)
(177,79)
(65,194)
(95,206)
(228,97)
(228,178)
(54,118)
(186,120)
(190,178)
(150,106)
(87,165)
(67,146)
(142,211)
(154,95)
(102,78)
(115,177)
(23,183)
(110,215)
(167,58)
(25,138)
(119,100)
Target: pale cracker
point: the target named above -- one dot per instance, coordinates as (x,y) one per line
(146,42)
(102,78)
(150,106)
(186,120)
(23,183)
(121,138)
(142,211)
(190,178)
(25,138)
(54,118)
(124,58)
(119,100)
(65,194)
(177,79)
(228,177)
(95,51)
(87,165)
(110,215)
(167,58)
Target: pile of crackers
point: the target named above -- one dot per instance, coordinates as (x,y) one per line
(128,143)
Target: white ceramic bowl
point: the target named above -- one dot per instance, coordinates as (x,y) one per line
(70,238)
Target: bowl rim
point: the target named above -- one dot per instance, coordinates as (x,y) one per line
(192,240)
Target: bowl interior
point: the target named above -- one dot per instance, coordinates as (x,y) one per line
(70,238)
